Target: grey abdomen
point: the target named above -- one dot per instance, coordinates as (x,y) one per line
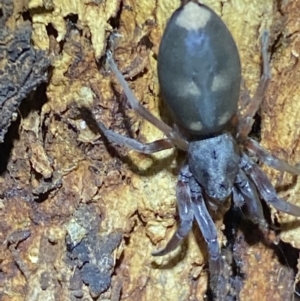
(199,71)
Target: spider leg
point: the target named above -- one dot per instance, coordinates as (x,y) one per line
(185,210)
(237,198)
(217,265)
(206,224)
(265,187)
(245,98)
(247,191)
(135,105)
(247,120)
(265,157)
(137,146)
(204,220)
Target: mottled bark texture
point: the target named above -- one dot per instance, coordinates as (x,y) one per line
(79,218)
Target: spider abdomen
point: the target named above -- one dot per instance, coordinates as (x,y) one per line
(199,70)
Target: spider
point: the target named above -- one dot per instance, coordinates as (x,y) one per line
(199,74)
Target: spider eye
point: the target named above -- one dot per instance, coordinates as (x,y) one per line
(214,154)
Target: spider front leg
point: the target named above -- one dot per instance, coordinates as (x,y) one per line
(176,139)
(204,220)
(245,190)
(265,157)
(185,211)
(265,187)
(246,121)
(218,270)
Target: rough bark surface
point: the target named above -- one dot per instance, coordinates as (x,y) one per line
(23,68)
(79,217)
